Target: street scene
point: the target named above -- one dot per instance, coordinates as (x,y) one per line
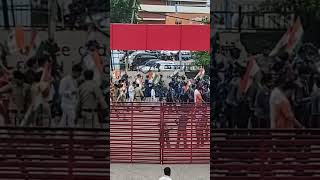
(53,90)
(265,89)
(46,74)
(254,78)
(159,92)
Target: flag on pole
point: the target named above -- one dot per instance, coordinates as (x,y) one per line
(251,71)
(32,44)
(19,37)
(150,75)
(98,61)
(16,40)
(201,73)
(116,74)
(155,78)
(290,39)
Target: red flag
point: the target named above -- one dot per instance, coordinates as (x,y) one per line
(19,37)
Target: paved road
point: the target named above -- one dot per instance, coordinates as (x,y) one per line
(154,172)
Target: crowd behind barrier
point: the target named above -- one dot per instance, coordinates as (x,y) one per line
(46,153)
(43,94)
(263,91)
(152,88)
(265,154)
(160,133)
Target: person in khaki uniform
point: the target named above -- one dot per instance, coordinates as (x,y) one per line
(138,94)
(90,99)
(18,94)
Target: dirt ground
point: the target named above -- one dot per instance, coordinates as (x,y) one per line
(155,171)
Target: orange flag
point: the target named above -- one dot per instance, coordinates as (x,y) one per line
(19,37)
(98,61)
(251,71)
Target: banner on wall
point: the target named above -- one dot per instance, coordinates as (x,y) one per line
(71,47)
(160,37)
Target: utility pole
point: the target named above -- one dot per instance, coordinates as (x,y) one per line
(52,20)
(133,9)
(179,53)
(5,13)
(126,58)
(228,9)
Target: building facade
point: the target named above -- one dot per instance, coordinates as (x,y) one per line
(247,15)
(173,11)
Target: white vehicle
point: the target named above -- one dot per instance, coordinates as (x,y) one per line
(150,63)
(163,66)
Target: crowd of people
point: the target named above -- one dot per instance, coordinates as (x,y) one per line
(152,88)
(185,99)
(282,93)
(41,94)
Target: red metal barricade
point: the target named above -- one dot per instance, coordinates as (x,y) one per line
(52,153)
(159,133)
(265,154)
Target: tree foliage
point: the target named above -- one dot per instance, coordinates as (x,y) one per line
(205,20)
(121,11)
(202,58)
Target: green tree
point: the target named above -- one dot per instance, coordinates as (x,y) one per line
(202,58)
(205,20)
(121,11)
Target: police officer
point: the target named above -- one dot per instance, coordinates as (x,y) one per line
(18,94)
(90,98)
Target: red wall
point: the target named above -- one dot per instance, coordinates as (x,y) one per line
(160,37)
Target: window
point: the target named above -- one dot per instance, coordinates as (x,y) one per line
(167,67)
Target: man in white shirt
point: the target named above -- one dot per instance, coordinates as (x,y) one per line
(90,63)
(153,95)
(131,92)
(69,97)
(167,173)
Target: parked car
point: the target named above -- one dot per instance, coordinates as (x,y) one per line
(141,59)
(150,63)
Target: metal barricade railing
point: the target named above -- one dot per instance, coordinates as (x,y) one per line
(265,153)
(95,118)
(159,133)
(33,153)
